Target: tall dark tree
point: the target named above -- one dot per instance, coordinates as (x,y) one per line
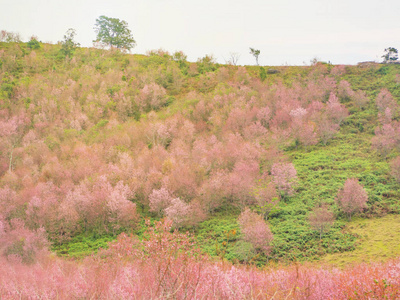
(114,33)
(391,55)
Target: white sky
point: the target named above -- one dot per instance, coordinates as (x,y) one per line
(286,31)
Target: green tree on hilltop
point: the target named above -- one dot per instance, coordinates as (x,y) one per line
(255,53)
(391,55)
(114,33)
(68,45)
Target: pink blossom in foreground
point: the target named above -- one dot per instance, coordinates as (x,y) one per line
(166,264)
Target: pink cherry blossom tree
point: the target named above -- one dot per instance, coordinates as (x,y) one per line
(178,212)
(284,177)
(266,198)
(255,231)
(160,200)
(11,132)
(384,139)
(352,198)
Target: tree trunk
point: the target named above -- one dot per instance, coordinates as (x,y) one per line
(11,157)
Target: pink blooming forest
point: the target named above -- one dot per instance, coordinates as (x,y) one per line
(154,153)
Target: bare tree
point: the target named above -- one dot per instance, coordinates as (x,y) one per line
(321,219)
(233,58)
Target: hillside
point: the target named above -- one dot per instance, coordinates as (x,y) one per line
(105,143)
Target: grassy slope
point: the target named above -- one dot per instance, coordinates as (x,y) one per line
(322,170)
(379,240)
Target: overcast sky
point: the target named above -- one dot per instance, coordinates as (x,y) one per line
(285,31)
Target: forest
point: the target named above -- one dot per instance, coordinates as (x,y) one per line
(152,177)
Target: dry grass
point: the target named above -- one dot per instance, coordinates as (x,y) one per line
(379,242)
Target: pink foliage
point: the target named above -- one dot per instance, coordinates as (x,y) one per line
(255,230)
(327,129)
(344,90)
(284,177)
(8,202)
(264,115)
(181,179)
(8,127)
(152,96)
(385,100)
(21,244)
(121,211)
(213,190)
(384,139)
(266,198)
(178,212)
(338,70)
(238,119)
(159,134)
(171,267)
(386,117)
(307,134)
(298,113)
(360,98)
(352,198)
(159,200)
(335,110)
(99,206)
(240,181)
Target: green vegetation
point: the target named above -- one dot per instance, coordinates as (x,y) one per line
(378,241)
(114,32)
(321,169)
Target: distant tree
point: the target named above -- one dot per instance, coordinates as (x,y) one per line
(266,198)
(68,45)
(11,132)
(255,231)
(178,212)
(181,59)
(385,100)
(179,56)
(33,43)
(321,218)
(206,64)
(384,139)
(114,33)
(233,58)
(9,37)
(336,111)
(395,168)
(255,53)
(307,135)
(391,55)
(285,177)
(21,243)
(159,200)
(352,197)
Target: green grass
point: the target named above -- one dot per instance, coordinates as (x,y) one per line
(82,245)
(379,241)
